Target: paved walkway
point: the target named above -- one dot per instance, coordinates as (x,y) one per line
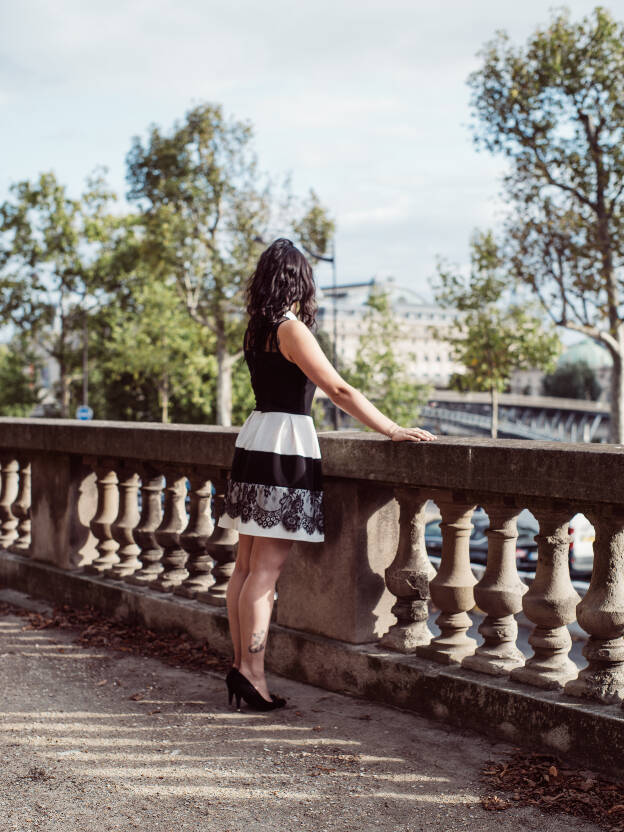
(102,741)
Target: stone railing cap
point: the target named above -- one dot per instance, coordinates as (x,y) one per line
(576,472)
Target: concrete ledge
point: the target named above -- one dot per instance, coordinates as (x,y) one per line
(580,473)
(591,735)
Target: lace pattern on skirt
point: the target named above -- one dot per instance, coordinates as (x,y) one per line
(270,505)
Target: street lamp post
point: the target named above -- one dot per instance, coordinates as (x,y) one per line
(331,259)
(85,361)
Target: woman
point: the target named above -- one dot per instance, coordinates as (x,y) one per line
(274,494)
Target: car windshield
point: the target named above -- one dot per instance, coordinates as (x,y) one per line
(432,529)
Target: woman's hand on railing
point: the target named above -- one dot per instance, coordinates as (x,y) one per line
(399,434)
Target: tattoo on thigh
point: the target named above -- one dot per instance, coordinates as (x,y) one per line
(257,642)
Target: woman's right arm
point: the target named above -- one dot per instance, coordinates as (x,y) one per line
(297,343)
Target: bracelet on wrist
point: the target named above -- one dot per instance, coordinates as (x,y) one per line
(393,430)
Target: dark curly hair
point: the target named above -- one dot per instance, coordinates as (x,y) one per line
(283,276)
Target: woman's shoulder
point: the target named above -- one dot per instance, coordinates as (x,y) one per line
(293,325)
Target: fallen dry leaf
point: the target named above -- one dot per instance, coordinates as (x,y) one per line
(541,780)
(96,630)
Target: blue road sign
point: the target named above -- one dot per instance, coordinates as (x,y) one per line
(84,413)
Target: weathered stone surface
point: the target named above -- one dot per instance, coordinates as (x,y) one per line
(337,589)
(499,594)
(334,597)
(601,614)
(409,574)
(168,533)
(195,537)
(9,486)
(125,523)
(221,546)
(589,472)
(550,604)
(152,483)
(21,509)
(107,508)
(64,501)
(589,734)
(452,587)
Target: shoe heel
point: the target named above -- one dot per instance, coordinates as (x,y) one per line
(233,693)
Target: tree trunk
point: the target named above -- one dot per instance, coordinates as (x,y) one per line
(224,384)
(494,422)
(64,397)
(616,423)
(163,390)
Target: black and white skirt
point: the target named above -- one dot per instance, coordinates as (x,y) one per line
(275,488)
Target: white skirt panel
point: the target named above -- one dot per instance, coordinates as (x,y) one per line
(271,510)
(279,433)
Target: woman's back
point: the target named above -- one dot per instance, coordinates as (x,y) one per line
(278,384)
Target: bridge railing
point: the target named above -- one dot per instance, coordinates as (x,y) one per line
(546,418)
(136,504)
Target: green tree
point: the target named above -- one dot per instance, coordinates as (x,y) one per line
(378,371)
(20,391)
(555,109)
(576,380)
(207,214)
(52,250)
(150,339)
(315,230)
(495,335)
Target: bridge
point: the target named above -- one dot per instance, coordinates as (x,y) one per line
(520,417)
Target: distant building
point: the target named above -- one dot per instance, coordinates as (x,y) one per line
(421,323)
(587,350)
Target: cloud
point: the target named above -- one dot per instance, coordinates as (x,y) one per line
(363,100)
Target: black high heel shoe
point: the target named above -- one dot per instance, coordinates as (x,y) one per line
(239,687)
(229,681)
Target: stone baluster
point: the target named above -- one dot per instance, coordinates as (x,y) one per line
(106,512)
(168,533)
(195,537)
(21,510)
(452,587)
(8,493)
(550,604)
(601,613)
(124,525)
(409,574)
(499,594)
(221,546)
(151,551)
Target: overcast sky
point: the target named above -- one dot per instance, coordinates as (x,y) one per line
(366,102)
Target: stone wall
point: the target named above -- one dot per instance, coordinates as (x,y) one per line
(121,516)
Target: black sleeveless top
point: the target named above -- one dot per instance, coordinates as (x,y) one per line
(278,384)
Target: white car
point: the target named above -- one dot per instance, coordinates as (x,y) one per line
(583,535)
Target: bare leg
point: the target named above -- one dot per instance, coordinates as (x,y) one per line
(255,604)
(237,579)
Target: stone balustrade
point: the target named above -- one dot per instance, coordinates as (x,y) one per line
(135,506)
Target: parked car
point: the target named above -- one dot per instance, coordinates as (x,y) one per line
(581,555)
(581,550)
(581,532)
(526,545)
(478,539)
